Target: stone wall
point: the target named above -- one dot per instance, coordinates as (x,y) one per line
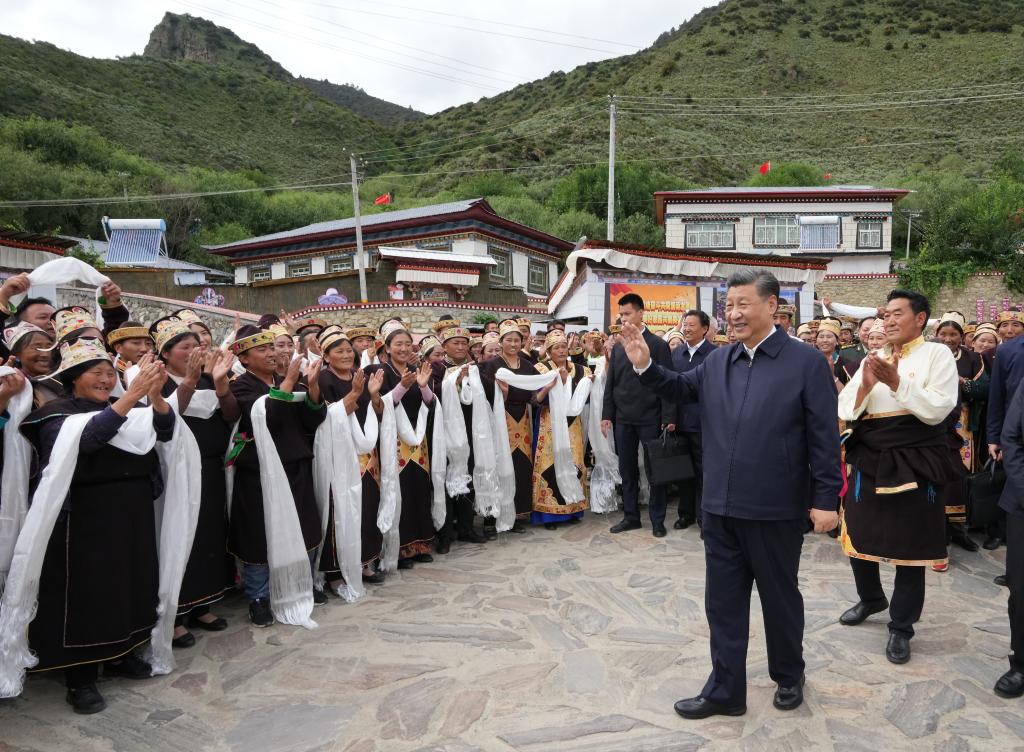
(870,290)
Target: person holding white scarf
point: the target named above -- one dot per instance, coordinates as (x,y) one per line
(99,582)
(265,531)
(408,389)
(197,383)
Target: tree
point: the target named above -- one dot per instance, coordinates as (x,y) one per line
(788,174)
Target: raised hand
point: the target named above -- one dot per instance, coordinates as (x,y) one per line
(358,384)
(10,385)
(194,367)
(12,286)
(407,378)
(312,371)
(636,348)
(423,375)
(222,363)
(111,292)
(375,382)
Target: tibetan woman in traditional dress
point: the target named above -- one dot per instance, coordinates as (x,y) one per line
(342,381)
(99,579)
(408,389)
(198,388)
(517,415)
(32,348)
(275,525)
(549,506)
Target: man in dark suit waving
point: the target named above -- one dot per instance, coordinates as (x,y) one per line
(771,453)
(697,348)
(636,415)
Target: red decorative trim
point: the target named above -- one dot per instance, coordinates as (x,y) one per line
(31,246)
(661,198)
(727,258)
(375,305)
(860,276)
(428,268)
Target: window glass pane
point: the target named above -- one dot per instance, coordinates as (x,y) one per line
(819,237)
(500,271)
(339,264)
(258,275)
(869,234)
(538,281)
(776,231)
(709,234)
(299,270)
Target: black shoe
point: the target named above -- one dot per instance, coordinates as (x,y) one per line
(1000,580)
(443,547)
(86,700)
(319,597)
(624,526)
(574,520)
(695,708)
(790,698)
(550,526)
(517,527)
(217,625)
(260,614)
(898,649)
(423,558)
(1010,684)
(128,667)
(682,523)
(959,536)
(472,537)
(853,616)
(490,533)
(406,563)
(377,578)
(659,531)
(187,640)
(992,543)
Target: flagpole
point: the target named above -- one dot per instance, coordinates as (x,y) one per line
(360,258)
(611,167)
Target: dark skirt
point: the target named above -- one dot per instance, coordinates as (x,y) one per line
(372,539)
(247,535)
(520,439)
(416,525)
(98,588)
(907,528)
(208,572)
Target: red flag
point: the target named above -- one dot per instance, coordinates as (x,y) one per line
(765,167)
(384,198)
(828,176)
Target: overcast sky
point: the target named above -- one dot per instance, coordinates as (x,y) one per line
(472,49)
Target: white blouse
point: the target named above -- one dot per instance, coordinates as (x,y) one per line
(928,388)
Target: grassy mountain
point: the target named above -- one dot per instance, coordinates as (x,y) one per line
(357,100)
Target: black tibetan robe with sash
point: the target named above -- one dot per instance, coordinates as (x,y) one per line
(98,588)
(209,569)
(292,425)
(334,389)
(520,426)
(416,525)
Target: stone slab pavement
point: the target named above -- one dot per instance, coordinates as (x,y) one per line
(566,640)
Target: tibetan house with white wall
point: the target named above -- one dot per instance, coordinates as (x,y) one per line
(446,252)
(851,226)
(671,281)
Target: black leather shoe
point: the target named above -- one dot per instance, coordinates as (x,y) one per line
(958,535)
(695,708)
(853,616)
(550,526)
(187,640)
(217,625)
(660,532)
(992,543)
(1011,684)
(624,526)
(790,698)
(490,532)
(682,523)
(1000,580)
(443,547)
(86,700)
(128,667)
(260,614)
(406,563)
(517,527)
(377,578)
(473,537)
(898,649)
(423,558)
(319,597)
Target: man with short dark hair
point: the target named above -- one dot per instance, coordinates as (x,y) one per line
(636,415)
(696,349)
(758,492)
(897,404)
(490,326)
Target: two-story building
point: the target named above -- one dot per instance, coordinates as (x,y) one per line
(850,225)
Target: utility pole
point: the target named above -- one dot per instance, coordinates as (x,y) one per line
(611,168)
(360,259)
(910,226)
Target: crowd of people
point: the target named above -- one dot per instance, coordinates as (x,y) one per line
(148,469)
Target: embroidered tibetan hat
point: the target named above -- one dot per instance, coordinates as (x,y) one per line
(489,337)
(279,330)
(13,335)
(786,309)
(69,321)
(168,329)
(524,324)
(454,331)
(1008,316)
(508,326)
(674,334)
(390,328)
(830,325)
(307,325)
(330,336)
(127,332)
(955,318)
(76,356)
(249,337)
(555,337)
(427,344)
(720,339)
(358,330)
(445,322)
(804,329)
(986,327)
(190,317)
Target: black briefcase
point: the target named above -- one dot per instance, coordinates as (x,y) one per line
(983,491)
(670,461)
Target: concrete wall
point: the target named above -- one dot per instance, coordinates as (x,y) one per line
(871,291)
(420,317)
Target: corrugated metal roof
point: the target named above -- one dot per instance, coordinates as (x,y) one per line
(101,246)
(349,223)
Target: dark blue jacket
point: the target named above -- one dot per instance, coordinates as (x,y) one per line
(1012,442)
(688,413)
(1007,373)
(769,427)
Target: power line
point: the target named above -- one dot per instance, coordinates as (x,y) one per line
(689,98)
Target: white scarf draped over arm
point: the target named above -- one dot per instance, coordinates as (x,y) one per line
(605,474)
(14,483)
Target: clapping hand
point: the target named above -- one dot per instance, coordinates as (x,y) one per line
(882,370)
(375,382)
(194,367)
(423,375)
(407,378)
(291,376)
(221,367)
(358,384)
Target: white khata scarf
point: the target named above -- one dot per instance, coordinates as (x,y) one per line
(291,581)
(68,269)
(395,425)
(565,466)
(605,474)
(14,485)
(487,492)
(338,443)
(176,511)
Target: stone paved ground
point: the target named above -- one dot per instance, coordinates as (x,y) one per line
(567,640)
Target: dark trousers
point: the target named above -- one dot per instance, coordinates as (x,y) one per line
(82,675)
(907,600)
(1015,579)
(627,445)
(690,491)
(458,519)
(738,553)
